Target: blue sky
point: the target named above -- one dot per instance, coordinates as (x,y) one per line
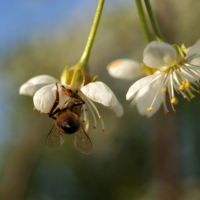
(21,19)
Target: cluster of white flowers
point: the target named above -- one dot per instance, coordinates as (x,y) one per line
(178,71)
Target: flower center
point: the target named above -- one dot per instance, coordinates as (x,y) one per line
(181,78)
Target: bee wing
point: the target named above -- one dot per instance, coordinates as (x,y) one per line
(82,142)
(54,138)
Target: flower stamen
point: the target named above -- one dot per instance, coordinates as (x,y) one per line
(188,84)
(84,114)
(97,112)
(172,88)
(149,109)
(161,86)
(87,122)
(173,100)
(191,73)
(181,87)
(189,92)
(165,106)
(172,107)
(88,104)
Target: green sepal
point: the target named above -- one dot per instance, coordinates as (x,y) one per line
(178,50)
(78,80)
(184,50)
(148,70)
(64,76)
(94,79)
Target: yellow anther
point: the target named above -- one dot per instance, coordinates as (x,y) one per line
(168,112)
(34,108)
(173,100)
(94,127)
(149,109)
(103,130)
(187,84)
(190,93)
(61,108)
(174,111)
(84,121)
(199,75)
(164,90)
(99,117)
(183,82)
(192,96)
(85,131)
(181,87)
(198,92)
(41,112)
(184,97)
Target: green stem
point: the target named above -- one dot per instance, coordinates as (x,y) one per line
(85,57)
(143,22)
(154,24)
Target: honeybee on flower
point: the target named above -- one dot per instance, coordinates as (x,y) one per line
(69,101)
(47,90)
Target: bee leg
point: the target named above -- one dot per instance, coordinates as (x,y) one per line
(68,92)
(55,103)
(72,94)
(76,104)
(52,114)
(53,117)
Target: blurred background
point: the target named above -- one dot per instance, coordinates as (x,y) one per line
(136,157)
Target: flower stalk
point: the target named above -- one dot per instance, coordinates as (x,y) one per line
(154,24)
(86,54)
(143,22)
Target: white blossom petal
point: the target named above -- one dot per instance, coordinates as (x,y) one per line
(139,84)
(100,92)
(158,54)
(188,76)
(194,49)
(125,69)
(146,95)
(118,109)
(196,61)
(45,97)
(35,83)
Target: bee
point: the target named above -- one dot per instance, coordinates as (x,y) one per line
(67,120)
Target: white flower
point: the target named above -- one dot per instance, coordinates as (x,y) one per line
(129,70)
(125,69)
(44,90)
(178,72)
(35,83)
